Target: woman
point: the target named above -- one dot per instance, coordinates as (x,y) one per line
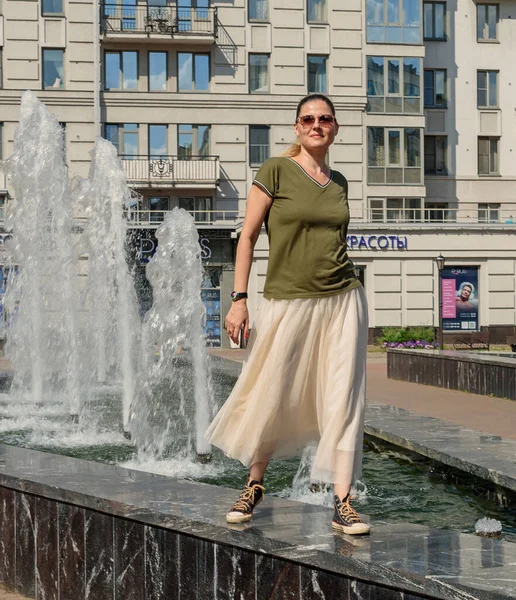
(304,380)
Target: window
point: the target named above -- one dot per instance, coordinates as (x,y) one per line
(487,22)
(393,21)
(395,210)
(316,11)
(124,138)
(434,21)
(193,72)
(317,75)
(121,70)
(63,127)
(53,70)
(198,207)
(435,88)
(157,71)
(158,204)
(193,141)
(488,156)
(157,141)
(435,154)
(487,89)
(258,10)
(52,7)
(258,144)
(439,212)
(1,70)
(489,213)
(394,155)
(393,84)
(258,73)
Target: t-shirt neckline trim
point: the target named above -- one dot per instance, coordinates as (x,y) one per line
(308,174)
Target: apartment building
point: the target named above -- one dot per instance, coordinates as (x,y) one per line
(196,94)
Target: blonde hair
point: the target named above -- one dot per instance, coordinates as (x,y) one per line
(293,150)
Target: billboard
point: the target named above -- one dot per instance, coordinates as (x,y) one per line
(460,294)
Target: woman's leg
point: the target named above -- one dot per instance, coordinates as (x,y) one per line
(342,490)
(257,471)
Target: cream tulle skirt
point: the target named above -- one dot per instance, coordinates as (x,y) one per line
(303,383)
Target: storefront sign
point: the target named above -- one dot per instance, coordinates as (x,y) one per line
(376,242)
(148,245)
(459,288)
(211,301)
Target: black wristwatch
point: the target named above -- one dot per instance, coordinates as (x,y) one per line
(238,296)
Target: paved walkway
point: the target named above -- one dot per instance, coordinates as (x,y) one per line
(482,413)
(5,595)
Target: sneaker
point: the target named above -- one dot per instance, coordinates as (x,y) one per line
(346,519)
(250,497)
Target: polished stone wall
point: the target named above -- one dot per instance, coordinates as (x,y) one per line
(51,550)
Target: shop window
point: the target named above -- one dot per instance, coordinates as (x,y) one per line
(393,84)
(487,22)
(393,21)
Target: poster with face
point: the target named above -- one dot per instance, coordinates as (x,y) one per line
(460,298)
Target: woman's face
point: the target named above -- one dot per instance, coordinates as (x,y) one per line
(318,134)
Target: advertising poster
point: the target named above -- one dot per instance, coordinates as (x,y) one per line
(211,301)
(460,295)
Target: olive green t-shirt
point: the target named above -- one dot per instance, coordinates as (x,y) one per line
(307,225)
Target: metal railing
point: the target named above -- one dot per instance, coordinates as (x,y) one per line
(140,216)
(469,214)
(172,169)
(169,20)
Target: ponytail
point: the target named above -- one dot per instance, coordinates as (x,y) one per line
(293,150)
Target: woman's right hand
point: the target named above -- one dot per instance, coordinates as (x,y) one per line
(237,320)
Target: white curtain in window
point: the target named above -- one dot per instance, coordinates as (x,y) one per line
(317,10)
(258,9)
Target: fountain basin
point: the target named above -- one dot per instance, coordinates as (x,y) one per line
(99,531)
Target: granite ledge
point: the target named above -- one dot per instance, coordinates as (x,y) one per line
(459,356)
(444,565)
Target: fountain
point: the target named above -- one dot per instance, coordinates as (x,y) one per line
(75,339)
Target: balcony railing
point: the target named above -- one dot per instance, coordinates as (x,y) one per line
(467,215)
(142,217)
(172,21)
(202,171)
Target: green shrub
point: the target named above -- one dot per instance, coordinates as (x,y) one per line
(404,334)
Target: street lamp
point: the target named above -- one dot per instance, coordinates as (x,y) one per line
(440,260)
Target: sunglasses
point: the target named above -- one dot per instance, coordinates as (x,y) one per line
(307,121)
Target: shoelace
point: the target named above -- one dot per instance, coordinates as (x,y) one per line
(246,498)
(347,512)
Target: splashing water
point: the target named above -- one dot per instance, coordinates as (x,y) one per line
(175,364)
(40,296)
(75,337)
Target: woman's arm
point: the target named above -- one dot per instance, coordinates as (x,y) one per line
(258,203)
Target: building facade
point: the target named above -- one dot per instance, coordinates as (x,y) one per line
(196,94)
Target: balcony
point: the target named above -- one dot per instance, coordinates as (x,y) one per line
(479,216)
(201,172)
(158,23)
(140,217)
